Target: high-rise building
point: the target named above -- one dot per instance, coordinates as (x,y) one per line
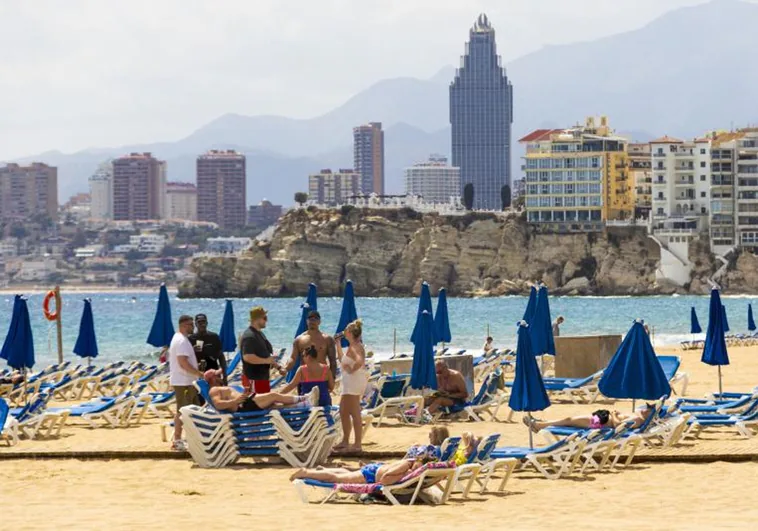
(222,188)
(368,157)
(139,187)
(641,179)
(481,114)
(101,192)
(27,191)
(577,178)
(263,214)
(434,180)
(333,188)
(181,201)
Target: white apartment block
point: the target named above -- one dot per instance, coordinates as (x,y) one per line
(101,192)
(181,201)
(148,243)
(434,180)
(333,188)
(681,182)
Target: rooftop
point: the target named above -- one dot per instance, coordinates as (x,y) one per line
(665,139)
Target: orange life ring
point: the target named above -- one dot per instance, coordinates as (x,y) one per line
(50,316)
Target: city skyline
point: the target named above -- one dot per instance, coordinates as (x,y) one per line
(68,113)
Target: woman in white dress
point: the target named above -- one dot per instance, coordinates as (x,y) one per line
(354,381)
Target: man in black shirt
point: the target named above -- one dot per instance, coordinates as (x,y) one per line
(208,348)
(257,354)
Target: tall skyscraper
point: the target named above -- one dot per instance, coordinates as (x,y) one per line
(368,157)
(222,188)
(27,191)
(481,114)
(101,192)
(139,187)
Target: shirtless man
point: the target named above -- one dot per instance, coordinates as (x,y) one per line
(451,388)
(230,400)
(324,344)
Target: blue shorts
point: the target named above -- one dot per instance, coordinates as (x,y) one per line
(369,472)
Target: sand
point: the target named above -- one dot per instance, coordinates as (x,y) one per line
(161,493)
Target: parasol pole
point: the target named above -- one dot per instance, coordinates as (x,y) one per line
(58,324)
(531,435)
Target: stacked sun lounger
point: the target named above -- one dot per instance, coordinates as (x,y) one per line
(300,436)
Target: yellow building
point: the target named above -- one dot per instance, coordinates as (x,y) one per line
(577,178)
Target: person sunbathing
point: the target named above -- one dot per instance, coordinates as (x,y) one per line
(382,473)
(230,400)
(602,418)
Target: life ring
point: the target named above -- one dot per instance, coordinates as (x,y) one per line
(50,316)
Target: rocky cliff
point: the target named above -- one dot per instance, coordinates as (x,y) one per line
(390,252)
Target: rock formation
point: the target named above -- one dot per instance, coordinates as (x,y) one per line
(390,252)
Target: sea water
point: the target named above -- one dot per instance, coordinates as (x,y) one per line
(123,320)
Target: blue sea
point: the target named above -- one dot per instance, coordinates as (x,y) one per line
(123,320)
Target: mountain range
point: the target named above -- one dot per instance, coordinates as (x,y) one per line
(685,73)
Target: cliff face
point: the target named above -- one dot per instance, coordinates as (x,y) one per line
(389,253)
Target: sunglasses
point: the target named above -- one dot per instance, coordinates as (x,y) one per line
(201,321)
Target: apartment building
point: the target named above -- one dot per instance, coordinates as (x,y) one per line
(641,179)
(181,201)
(139,187)
(27,191)
(434,180)
(222,188)
(368,157)
(577,178)
(101,192)
(334,188)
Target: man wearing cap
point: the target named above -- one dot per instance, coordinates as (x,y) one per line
(208,347)
(183,372)
(257,354)
(324,343)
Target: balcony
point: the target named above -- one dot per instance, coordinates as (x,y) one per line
(684,169)
(659,154)
(660,183)
(660,199)
(687,182)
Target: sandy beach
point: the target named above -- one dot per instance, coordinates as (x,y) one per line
(163,493)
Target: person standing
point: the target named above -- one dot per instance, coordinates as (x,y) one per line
(208,347)
(257,354)
(183,372)
(557,326)
(354,380)
(314,337)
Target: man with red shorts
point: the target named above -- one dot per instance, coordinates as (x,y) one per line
(257,354)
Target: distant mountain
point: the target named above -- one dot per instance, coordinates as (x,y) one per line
(687,72)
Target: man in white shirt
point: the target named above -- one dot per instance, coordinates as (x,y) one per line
(183,373)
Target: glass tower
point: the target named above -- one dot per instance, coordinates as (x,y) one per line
(481,114)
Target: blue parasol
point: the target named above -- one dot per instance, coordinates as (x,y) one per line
(750,321)
(424,304)
(19,343)
(528,392)
(86,341)
(423,375)
(349,313)
(442,319)
(694,323)
(163,326)
(227,332)
(714,351)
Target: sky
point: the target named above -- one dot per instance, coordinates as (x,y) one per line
(76,74)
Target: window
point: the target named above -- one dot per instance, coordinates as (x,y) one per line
(702,151)
(544,201)
(595,188)
(569,189)
(702,164)
(702,194)
(702,177)
(702,210)
(545,189)
(582,188)
(569,201)
(660,151)
(660,211)
(556,189)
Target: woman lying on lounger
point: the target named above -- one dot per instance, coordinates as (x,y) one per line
(602,418)
(230,400)
(383,473)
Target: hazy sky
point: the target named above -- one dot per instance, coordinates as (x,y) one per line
(84,73)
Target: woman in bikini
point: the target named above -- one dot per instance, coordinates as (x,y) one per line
(602,418)
(313,374)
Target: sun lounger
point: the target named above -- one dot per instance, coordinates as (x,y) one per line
(388,399)
(744,423)
(670,366)
(553,461)
(482,465)
(413,484)
(8,425)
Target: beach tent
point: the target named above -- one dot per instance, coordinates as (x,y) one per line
(528,392)
(424,304)
(442,319)
(227,333)
(423,375)
(163,325)
(349,313)
(714,352)
(310,304)
(694,323)
(634,371)
(86,341)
